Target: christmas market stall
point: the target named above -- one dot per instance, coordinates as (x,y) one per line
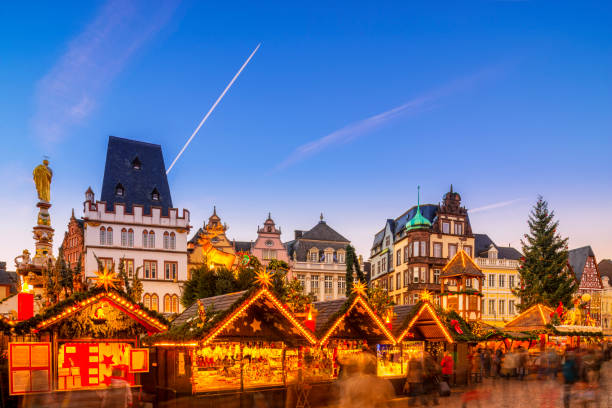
(81,343)
(240,343)
(527,329)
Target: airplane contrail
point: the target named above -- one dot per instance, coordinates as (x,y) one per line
(213,107)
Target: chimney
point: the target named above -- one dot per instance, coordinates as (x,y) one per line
(298,234)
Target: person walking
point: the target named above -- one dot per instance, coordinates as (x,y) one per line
(570,376)
(119,394)
(431,380)
(447,365)
(414,380)
(487,362)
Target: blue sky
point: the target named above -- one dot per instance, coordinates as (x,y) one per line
(344,110)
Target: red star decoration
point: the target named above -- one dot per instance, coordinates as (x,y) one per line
(107,360)
(107,380)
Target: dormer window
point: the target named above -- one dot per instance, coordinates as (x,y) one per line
(136,164)
(119,190)
(155,195)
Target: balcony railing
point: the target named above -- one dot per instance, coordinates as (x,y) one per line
(427,259)
(509,263)
(423,286)
(319,266)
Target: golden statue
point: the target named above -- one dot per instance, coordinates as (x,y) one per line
(42,178)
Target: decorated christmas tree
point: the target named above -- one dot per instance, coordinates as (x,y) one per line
(543,268)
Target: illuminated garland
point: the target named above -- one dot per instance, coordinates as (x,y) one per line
(357,299)
(185,334)
(80,300)
(425,306)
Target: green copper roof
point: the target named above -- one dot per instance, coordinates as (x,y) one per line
(418,221)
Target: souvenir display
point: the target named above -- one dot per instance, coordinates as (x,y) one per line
(411,349)
(216,367)
(389,360)
(262,364)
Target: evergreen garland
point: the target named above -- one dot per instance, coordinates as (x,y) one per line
(543,268)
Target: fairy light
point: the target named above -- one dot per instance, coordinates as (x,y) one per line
(119,301)
(370,312)
(262,292)
(427,307)
(170,344)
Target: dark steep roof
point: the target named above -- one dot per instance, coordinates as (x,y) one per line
(577,259)
(400,314)
(211,304)
(378,238)
(138,184)
(323,232)
(482,242)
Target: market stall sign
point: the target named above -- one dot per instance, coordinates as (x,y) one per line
(29,368)
(139,360)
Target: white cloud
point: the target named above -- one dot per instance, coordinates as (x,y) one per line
(71,89)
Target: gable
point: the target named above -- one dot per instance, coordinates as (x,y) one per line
(94,311)
(590,275)
(261,316)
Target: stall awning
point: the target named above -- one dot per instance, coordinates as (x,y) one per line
(422,324)
(536,318)
(352,318)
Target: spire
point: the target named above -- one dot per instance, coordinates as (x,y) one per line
(72,213)
(451,189)
(418,221)
(214,210)
(321,217)
(269,215)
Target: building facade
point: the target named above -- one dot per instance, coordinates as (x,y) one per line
(583,264)
(381,254)
(606,306)
(73,242)
(268,244)
(318,261)
(134,220)
(500,267)
(426,237)
(210,245)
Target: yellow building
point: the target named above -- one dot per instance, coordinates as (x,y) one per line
(606,306)
(211,246)
(500,267)
(425,238)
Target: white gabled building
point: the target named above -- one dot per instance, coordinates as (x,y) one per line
(134,220)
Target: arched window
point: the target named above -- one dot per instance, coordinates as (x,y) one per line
(167,304)
(102,236)
(146,299)
(175,304)
(151,239)
(145,239)
(172,240)
(124,237)
(130,238)
(166,240)
(154,302)
(119,190)
(109,236)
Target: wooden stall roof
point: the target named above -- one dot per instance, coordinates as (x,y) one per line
(419,324)
(211,304)
(253,315)
(70,307)
(533,319)
(351,318)
(462,264)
